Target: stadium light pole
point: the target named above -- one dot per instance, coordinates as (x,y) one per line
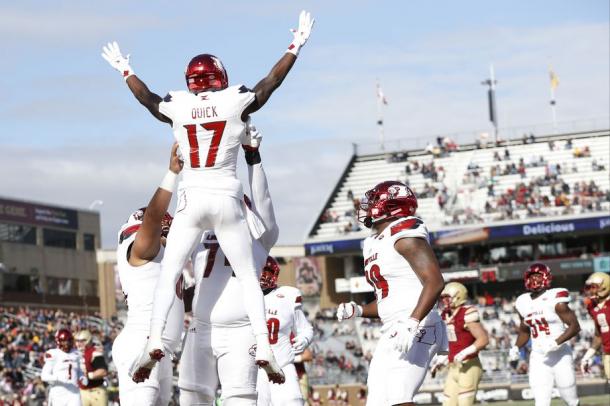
(491,100)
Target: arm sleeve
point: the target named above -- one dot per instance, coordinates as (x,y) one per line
(302,326)
(261,199)
(410,227)
(47,369)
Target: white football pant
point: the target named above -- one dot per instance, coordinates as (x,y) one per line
(395,377)
(288,393)
(157,389)
(556,367)
(218,355)
(198,210)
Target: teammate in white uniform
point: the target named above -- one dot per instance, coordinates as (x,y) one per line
(400,265)
(139,255)
(220,345)
(62,371)
(549,321)
(209,124)
(285,320)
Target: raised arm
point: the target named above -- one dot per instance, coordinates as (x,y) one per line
(259,188)
(274,79)
(148,239)
(112,54)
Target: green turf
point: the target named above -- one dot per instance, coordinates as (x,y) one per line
(599,400)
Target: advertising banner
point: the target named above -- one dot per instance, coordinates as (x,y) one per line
(21,212)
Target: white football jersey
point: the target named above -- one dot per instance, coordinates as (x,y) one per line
(209,130)
(280,306)
(540,315)
(396,285)
(62,366)
(138,285)
(218,293)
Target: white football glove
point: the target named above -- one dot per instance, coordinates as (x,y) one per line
(252,139)
(460,356)
(587,361)
(348,310)
(301,35)
(514,354)
(152,353)
(404,334)
(299,344)
(264,359)
(112,54)
(438,362)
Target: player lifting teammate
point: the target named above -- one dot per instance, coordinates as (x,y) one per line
(597,289)
(209,124)
(285,320)
(219,346)
(139,254)
(467,337)
(400,265)
(544,314)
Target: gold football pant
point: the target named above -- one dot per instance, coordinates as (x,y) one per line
(606,360)
(94,397)
(462,383)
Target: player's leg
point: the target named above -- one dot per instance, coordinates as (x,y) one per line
(606,361)
(540,379)
(406,372)
(451,388)
(234,347)
(263,389)
(166,381)
(378,371)
(197,374)
(184,234)
(565,378)
(289,393)
(468,381)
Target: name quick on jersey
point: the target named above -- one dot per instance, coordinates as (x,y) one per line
(204,112)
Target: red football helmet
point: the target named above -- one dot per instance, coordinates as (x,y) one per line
(389,199)
(64,339)
(205,72)
(537,277)
(270,273)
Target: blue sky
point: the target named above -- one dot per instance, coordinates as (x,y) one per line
(72,133)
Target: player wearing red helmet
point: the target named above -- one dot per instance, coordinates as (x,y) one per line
(547,319)
(220,346)
(402,269)
(209,124)
(62,371)
(139,253)
(597,289)
(289,335)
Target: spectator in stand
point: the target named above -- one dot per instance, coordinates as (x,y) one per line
(568,144)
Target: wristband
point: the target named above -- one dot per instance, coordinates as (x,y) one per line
(253,157)
(127,73)
(169,181)
(298,358)
(90,375)
(471,349)
(294,48)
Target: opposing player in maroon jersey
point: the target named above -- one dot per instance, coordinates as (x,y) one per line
(597,289)
(467,337)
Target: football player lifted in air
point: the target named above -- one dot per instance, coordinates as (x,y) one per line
(400,265)
(62,371)
(467,337)
(547,319)
(140,251)
(597,289)
(285,320)
(220,345)
(209,122)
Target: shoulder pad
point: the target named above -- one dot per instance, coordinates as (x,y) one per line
(48,354)
(560,295)
(410,223)
(471,314)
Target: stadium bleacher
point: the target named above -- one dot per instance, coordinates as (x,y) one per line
(548,163)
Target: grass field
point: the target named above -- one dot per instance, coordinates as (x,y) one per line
(599,400)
